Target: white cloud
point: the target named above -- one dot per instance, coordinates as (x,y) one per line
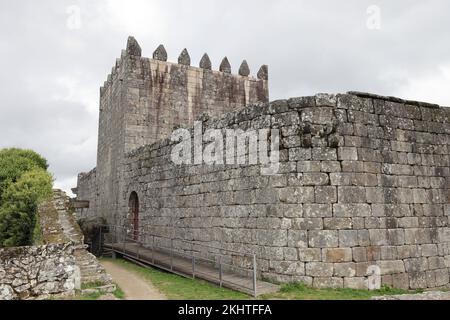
(433,87)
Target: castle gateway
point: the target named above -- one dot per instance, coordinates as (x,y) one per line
(362,186)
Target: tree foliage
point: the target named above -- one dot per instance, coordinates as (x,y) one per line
(24,183)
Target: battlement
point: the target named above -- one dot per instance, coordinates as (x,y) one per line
(159,61)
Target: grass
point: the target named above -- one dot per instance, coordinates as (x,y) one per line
(118,293)
(297,291)
(180,288)
(88,296)
(91,285)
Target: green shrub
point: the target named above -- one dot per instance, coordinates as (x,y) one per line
(24,183)
(14,163)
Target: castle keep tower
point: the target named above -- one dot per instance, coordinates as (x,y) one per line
(144,99)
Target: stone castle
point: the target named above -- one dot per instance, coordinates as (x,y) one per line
(363,179)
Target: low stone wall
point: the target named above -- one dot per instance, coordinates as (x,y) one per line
(36,272)
(363,188)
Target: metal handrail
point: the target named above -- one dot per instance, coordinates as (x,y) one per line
(195,258)
(183,254)
(181,240)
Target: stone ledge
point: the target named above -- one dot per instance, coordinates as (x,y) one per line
(394,99)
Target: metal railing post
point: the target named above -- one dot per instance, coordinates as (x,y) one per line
(137,250)
(100,251)
(220,271)
(254,276)
(193,266)
(171,254)
(124,239)
(153,249)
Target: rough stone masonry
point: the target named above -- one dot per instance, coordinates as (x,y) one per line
(363,183)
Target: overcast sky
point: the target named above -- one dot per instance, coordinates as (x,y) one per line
(55,55)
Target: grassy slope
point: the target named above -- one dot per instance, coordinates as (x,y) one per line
(179,288)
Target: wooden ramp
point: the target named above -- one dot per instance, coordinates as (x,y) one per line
(193,267)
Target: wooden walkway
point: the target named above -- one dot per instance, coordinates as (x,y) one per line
(187,266)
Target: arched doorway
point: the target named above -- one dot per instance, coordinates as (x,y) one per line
(133,205)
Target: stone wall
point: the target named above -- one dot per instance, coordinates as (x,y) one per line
(363,182)
(88,191)
(144,99)
(36,272)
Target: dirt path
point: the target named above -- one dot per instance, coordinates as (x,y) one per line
(134,286)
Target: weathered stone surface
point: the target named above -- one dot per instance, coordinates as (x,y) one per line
(160,53)
(133,47)
(323,239)
(205,62)
(319,269)
(225,66)
(347,269)
(327,282)
(310,254)
(37,271)
(263,73)
(184,58)
(358,283)
(337,255)
(244,70)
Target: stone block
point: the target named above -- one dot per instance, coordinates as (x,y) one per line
(324,99)
(307,224)
(319,269)
(429,250)
(408,251)
(290,254)
(348,154)
(436,263)
(357,283)
(330,166)
(337,255)
(352,194)
(323,238)
(317,210)
(415,265)
(325,194)
(351,210)
(272,237)
(288,267)
(300,154)
(324,283)
(297,238)
(337,223)
(310,254)
(359,254)
(400,281)
(324,154)
(308,166)
(442,277)
(389,253)
(391,267)
(285,210)
(417,280)
(348,238)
